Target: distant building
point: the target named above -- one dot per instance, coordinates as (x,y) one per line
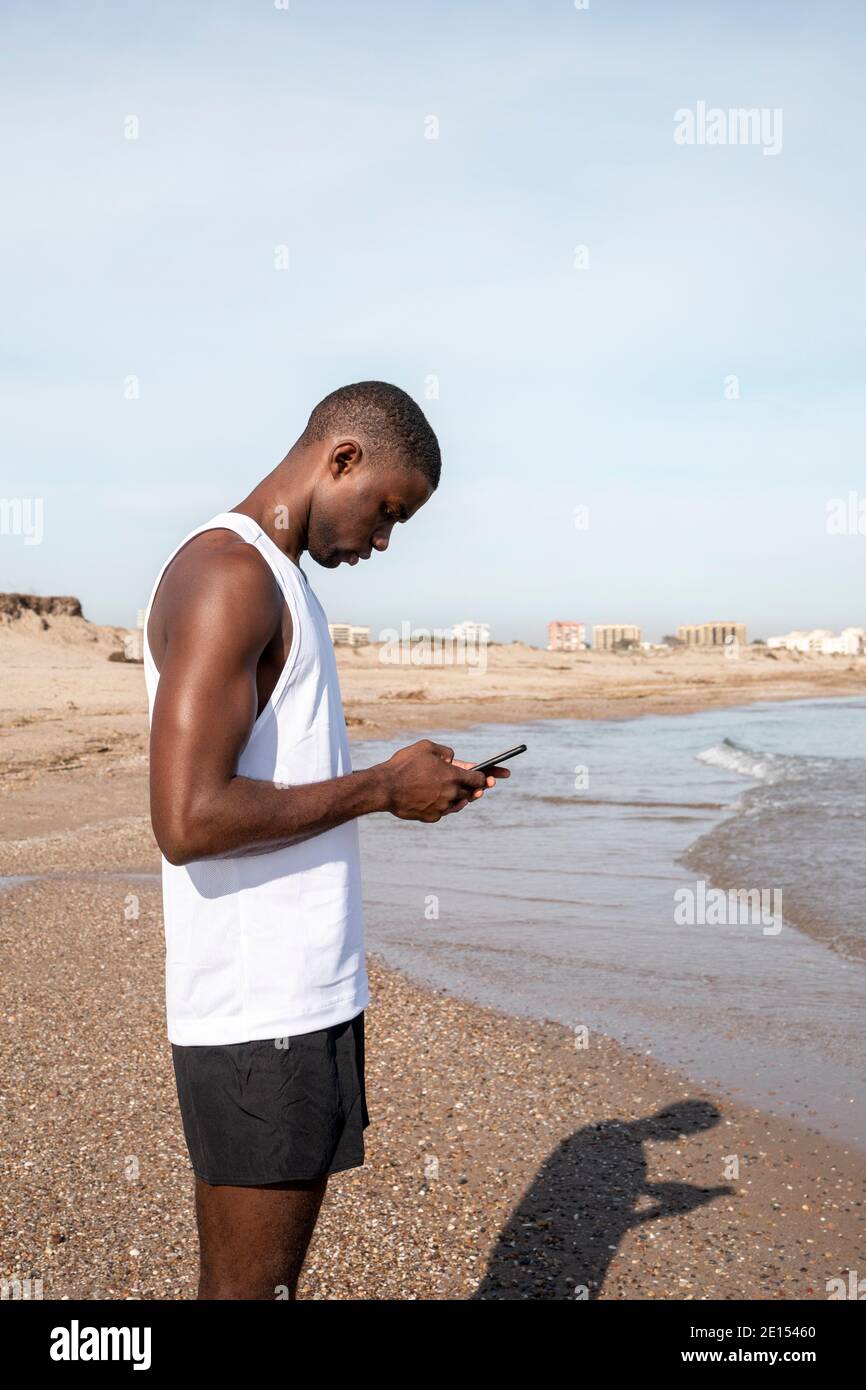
(566,637)
(795,641)
(133,645)
(607,637)
(472,633)
(853,640)
(133,640)
(348,634)
(712,634)
(820,641)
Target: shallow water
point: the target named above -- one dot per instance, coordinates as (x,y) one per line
(555,896)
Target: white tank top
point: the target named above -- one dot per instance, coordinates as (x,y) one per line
(270,945)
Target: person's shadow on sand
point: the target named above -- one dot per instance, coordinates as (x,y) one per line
(560,1239)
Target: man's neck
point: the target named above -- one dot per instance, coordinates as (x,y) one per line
(280,505)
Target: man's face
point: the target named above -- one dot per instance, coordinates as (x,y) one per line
(353,513)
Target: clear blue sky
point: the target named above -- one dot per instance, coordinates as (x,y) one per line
(409,257)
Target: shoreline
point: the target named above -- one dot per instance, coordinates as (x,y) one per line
(461,715)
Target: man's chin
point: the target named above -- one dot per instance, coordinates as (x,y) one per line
(329,560)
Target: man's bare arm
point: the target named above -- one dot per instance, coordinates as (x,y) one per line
(206,705)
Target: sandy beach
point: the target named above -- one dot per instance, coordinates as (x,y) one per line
(503,1161)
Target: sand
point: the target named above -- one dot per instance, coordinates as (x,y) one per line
(503,1162)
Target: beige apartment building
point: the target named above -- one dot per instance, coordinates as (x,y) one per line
(712,634)
(348,634)
(606,637)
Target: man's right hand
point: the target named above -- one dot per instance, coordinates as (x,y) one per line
(424,783)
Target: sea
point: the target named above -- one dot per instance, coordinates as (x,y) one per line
(690,885)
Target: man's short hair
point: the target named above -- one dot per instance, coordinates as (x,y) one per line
(386,419)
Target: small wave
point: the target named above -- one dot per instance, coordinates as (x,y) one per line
(748,762)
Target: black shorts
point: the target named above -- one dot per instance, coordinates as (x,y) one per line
(279,1110)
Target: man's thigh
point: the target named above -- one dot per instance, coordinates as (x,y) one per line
(254,1239)
(277,1110)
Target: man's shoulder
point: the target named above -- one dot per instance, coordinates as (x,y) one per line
(224,558)
(218,577)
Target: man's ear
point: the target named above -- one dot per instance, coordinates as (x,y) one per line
(345,455)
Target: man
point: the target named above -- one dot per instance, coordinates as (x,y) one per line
(255,808)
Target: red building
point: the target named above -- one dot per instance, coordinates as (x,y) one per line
(566,637)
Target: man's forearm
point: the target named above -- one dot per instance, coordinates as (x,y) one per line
(246,816)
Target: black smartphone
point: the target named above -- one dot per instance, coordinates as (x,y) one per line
(494,762)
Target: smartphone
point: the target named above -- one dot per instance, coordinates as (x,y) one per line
(494,762)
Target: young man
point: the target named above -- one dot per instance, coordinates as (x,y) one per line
(255,808)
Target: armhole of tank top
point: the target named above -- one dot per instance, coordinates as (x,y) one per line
(289,600)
